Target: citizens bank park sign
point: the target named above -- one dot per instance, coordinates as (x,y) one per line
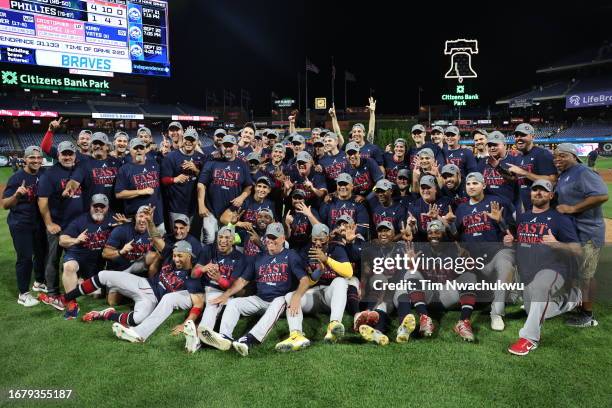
(64,83)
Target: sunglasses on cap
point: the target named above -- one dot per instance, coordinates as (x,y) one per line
(342,183)
(228,145)
(403,178)
(352,152)
(67,153)
(417,132)
(272,237)
(139,147)
(99,206)
(296,143)
(302,162)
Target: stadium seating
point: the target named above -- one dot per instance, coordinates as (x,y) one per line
(586,130)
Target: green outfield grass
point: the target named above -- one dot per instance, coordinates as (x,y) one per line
(39,349)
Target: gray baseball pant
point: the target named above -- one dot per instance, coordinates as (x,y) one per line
(449,298)
(209,316)
(168,303)
(54,253)
(543,300)
(134,287)
(500,269)
(249,306)
(330,298)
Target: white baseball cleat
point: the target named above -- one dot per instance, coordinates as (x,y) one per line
(27,300)
(192,342)
(497,323)
(214,339)
(241,348)
(126,333)
(39,287)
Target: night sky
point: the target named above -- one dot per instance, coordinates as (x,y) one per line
(262,45)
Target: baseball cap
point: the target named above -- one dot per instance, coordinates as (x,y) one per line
(567,148)
(265,180)
(303,156)
(273,134)
(428,180)
(254,156)
(383,184)
(318,142)
(298,192)
(266,211)
(85,132)
(318,130)
(437,129)
(547,185)
(352,146)
(275,229)
(525,128)
(426,151)
(99,199)
(384,224)
(297,138)
(418,127)
(344,178)
(66,146)
(142,208)
(226,229)
(192,134)
(345,218)
(279,146)
(99,137)
(181,218)
(30,150)
(400,140)
(450,169)
(183,246)
(496,137)
(435,225)
(454,130)
(404,173)
(228,139)
(481,131)
(121,133)
(144,129)
(476,176)
(220,131)
(320,229)
(136,142)
(358,126)
(332,135)
(175,125)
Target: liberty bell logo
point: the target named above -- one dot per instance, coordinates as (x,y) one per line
(461,52)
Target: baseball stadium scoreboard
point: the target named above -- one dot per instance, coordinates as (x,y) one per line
(114,36)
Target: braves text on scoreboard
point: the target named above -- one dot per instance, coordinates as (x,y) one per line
(112,36)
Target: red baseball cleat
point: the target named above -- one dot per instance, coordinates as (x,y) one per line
(426,326)
(464,329)
(366,317)
(522,347)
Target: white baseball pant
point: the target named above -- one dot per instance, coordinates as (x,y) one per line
(249,306)
(168,303)
(500,269)
(134,287)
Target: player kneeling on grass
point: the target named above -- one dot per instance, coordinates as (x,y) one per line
(547,250)
(219,266)
(154,297)
(420,298)
(329,268)
(274,273)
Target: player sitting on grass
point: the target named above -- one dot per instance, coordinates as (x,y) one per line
(329,267)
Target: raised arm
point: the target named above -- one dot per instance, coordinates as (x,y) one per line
(372,125)
(336,125)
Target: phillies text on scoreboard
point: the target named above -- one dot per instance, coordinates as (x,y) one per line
(112,36)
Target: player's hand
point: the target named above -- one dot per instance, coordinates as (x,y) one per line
(22,190)
(126,248)
(371,104)
(350,232)
(203,212)
(318,254)
(236,215)
(406,232)
(496,211)
(318,168)
(332,111)
(289,218)
(82,237)
(213,272)
(68,192)
(120,219)
(178,329)
(434,212)
(189,165)
(549,238)
(566,209)
(388,148)
(450,216)
(308,184)
(221,300)
(53,228)
(412,221)
(508,239)
(287,184)
(359,198)
(295,306)
(56,124)
(146,191)
(302,208)
(180,179)
(148,214)
(238,201)
(513,168)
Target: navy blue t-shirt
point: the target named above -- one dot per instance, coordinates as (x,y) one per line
(24,214)
(462,158)
(123,234)
(317,179)
(371,151)
(231,266)
(170,240)
(537,161)
(224,181)
(97,235)
(392,167)
(330,212)
(170,279)
(439,155)
(333,165)
(532,256)
(396,213)
(182,197)
(51,185)
(495,181)
(252,207)
(99,177)
(139,177)
(457,196)
(276,275)
(419,210)
(335,252)
(365,176)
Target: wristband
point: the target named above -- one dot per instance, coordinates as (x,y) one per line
(196,311)
(223,283)
(197,272)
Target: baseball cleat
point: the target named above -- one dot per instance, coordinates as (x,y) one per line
(296,341)
(335,331)
(27,300)
(371,334)
(464,329)
(497,323)
(55,301)
(241,348)
(214,339)
(72,310)
(98,314)
(582,320)
(426,326)
(522,347)
(405,329)
(126,333)
(192,342)
(39,287)
(366,317)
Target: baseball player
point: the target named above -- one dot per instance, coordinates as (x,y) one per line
(426,165)
(26,227)
(580,193)
(365,172)
(334,162)
(480,144)
(454,185)
(299,221)
(427,207)
(418,133)
(274,274)
(175,133)
(437,136)
(120,146)
(547,246)
(499,180)
(329,268)
(457,155)
(396,160)
(245,142)
(47,147)
(383,208)
(302,175)
(214,150)
(344,203)
(247,214)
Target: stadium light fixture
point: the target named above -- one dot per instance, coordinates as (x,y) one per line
(55,91)
(123,95)
(102,94)
(26,89)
